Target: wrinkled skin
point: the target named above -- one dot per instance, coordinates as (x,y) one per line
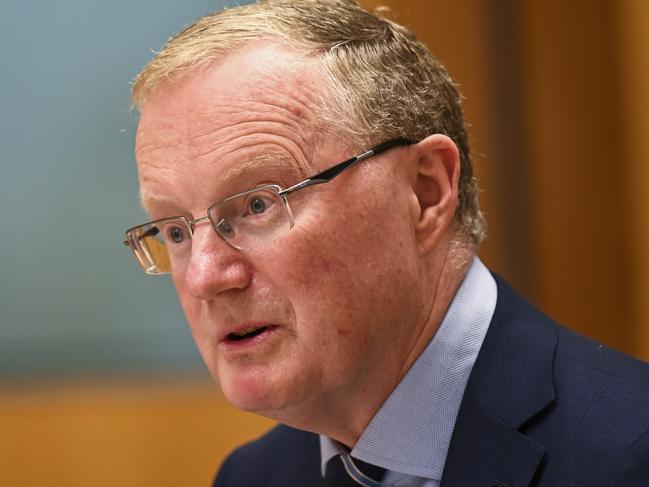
(347,290)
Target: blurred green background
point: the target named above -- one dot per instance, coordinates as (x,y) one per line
(72,299)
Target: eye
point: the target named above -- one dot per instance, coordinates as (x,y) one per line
(224,227)
(257,205)
(176,234)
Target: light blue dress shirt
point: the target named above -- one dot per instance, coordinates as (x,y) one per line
(410,434)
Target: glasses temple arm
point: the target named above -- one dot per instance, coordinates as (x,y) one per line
(149,233)
(332,172)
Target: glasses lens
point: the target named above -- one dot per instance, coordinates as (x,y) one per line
(154,244)
(252,218)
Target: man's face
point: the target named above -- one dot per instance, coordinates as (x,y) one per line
(336,298)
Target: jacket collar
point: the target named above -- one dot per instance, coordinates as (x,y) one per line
(511,383)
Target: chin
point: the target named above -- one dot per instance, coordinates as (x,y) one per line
(253,393)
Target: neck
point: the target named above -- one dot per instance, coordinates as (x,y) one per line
(345,416)
(444,275)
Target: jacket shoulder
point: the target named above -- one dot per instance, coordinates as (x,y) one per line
(595,431)
(573,350)
(612,365)
(282,453)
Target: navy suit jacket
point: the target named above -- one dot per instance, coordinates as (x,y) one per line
(543,407)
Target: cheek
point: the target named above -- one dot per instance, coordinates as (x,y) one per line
(341,274)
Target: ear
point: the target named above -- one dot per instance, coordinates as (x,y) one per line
(435,178)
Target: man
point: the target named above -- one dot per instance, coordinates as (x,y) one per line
(345,300)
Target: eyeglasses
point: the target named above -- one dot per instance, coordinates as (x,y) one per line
(244,220)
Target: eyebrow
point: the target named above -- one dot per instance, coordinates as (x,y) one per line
(269,161)
(273,161)
(150,199)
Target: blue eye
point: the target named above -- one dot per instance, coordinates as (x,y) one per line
(257,205)
(176,234)
(224,228)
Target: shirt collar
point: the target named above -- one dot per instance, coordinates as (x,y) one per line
(411,431)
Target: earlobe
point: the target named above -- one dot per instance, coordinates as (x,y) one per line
(436,188)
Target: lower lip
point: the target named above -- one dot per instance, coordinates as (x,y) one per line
(238,345)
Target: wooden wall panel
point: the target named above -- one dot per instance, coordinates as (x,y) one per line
(633,30)
(577,167)
(126,434)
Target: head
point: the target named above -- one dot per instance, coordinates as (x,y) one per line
(273,93)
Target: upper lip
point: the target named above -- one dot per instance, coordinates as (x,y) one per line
(239,327)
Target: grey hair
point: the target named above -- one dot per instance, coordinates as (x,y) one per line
(383,80)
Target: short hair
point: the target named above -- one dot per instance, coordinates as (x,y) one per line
(383,80)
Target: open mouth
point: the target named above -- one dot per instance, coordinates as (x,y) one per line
(246,334)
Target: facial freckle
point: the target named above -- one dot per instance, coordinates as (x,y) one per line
(343,332)
(328,264)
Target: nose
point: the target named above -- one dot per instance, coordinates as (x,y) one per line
(214,266)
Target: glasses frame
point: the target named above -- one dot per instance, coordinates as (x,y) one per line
(319,178)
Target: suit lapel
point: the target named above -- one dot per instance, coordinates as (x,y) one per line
(300,463)
(511,383)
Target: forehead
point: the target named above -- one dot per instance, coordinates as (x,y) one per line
(253,84)
(262,99)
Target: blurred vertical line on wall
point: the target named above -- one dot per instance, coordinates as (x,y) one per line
(633,31)
(577,167)
(506,79)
